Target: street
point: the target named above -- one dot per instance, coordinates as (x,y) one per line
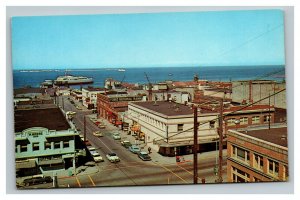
(130,170)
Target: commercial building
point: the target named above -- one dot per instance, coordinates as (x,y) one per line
(112,105)
(89,96)
(257,155)
(77,94)
(44,141)
(167,127)
(176,96)
(252,91)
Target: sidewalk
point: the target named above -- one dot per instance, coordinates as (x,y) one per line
(156,157)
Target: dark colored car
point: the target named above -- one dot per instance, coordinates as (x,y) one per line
(37,180)
(144,156)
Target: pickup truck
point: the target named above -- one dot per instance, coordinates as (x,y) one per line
(112,157)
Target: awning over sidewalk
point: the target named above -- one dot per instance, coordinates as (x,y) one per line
(51,161)
(30,163)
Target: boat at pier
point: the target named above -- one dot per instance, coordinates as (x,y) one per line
(72,80)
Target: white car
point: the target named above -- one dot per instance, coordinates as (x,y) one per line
(112,157)
(98,134)
(91,148)
(116,136)
(94,153)
(98,159)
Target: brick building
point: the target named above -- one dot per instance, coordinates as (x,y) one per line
(111,105)
(257,155)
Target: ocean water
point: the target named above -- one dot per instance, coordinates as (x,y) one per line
(34,78)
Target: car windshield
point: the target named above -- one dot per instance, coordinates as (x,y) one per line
(112,154)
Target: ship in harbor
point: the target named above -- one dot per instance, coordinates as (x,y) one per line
(72,80)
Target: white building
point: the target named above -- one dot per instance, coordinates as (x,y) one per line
(89,96)
(63,91)
(166,125)
(176,96)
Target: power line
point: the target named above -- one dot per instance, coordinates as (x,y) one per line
(256,79)
(223,115)
(250,40)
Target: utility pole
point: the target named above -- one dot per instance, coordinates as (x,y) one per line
(63,103)
(269,111)
(220,180)
(84,127)
(195,145)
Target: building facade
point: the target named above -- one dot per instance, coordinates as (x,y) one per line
(111,106)
(38,150)
(252,91)
(89,96)
(167,127)
(257,155)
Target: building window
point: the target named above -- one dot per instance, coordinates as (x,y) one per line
(180,127)
(16,149)
(212,124)
(255,119)
(47,145)
(56,145)
(23,148)
(66,144)
(239,176)
(244,120)
(35,146)
(273,167)
(231,122)
(241,154)
(258,162)
(266,118)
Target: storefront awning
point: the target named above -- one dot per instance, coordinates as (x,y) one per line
(51,161)
(25,164)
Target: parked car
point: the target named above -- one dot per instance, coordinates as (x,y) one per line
(144,156)
(112,157)
(101,126)
(81,137)
(78,107)
(37,180)
(96,156)
(116,136)
(91,148)
(134,149)
(126,144)
(98,134)
(98,159)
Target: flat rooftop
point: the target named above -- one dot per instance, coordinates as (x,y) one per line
(28,90)
(168,108)
(51,118)
(273,135)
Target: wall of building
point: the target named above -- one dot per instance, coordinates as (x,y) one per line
(240,92)
(256,147)
(40,136)
(158,127)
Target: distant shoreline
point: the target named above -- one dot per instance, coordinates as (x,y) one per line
(117,68)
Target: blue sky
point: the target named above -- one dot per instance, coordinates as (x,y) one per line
(223,38)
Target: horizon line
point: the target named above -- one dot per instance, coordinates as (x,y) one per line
(116,68)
